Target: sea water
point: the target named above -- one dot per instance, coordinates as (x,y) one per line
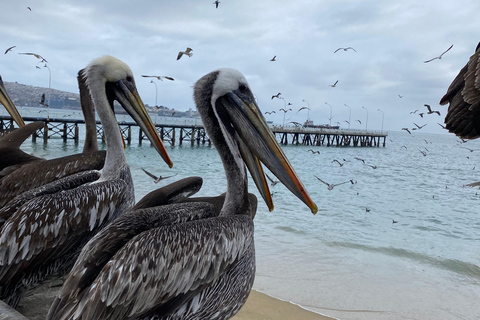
(350,261)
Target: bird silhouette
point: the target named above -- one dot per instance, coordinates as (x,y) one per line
(274,58)
(345,49)
(330,186)
(430,111)
(285,110)
(159,77)
(269,112)
(339,163)
(406,129)
(9,49)
(187,52)
(440,56)
(276,95)
(314,152)
(155,178)
(419,127)
(39,57)
(216,3)
(334,85)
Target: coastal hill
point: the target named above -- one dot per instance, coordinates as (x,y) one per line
(30,96)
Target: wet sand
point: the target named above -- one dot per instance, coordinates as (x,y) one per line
(260,306)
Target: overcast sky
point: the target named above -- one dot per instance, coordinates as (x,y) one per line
(387,72)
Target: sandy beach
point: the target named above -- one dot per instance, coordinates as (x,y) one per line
(260,306)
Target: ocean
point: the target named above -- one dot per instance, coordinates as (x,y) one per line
(350,261)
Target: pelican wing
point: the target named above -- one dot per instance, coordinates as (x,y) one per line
(463,116)
(160,267)
(29,176)
(53,226)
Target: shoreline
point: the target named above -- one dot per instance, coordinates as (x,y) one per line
(260,306)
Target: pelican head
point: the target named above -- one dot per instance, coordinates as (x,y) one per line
(245,130)
(8,104)
(119,84)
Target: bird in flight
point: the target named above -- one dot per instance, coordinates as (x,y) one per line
(159,77)
(42,59)
(359,159)
(314,152)
(430,111)
(274,58)
(423,152)
(330,186)
(276,95)
(272,182)
(269,112)
(406,129)
(285,111)
(371,166)
(419,127)
(216,3)
(188,52)
(413,111)
(359,121)
(334,85)
(9,49)
(441,125)
(400,96)
(440,56)
(302,108)
(29,8)
(155,178)
(345,49)
(339,163)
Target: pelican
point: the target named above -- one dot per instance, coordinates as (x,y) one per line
(25,175)
(47,227)
(463,115)
(186,260)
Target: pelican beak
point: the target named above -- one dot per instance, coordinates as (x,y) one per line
(127,95)
(8,103)
(253,130)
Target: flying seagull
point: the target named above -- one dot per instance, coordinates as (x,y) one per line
(430,111)
(9,49)
(272,182)
(419,127)
(406,129)
(29,8)
(339,163)
(440,56)
(274,58)
(285,111)
(159,77)
(314,152)
(216,3)
(269,112)
(155,178)
(334,85)
(400,96)
(35,55)
(345,49)
(188,52)
(276,95)
(359,159)
(359,121)
(330,186)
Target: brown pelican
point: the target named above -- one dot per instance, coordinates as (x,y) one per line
(186,260)
(188,52)
(25,175)
(463,115)
(9,105)
(47,227)
(440,56)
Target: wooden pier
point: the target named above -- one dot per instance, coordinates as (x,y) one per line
(68,129)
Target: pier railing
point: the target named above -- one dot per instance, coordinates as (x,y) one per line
(69,129)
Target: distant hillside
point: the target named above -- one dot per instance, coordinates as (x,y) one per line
(29,96)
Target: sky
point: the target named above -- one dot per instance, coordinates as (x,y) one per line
(379,84)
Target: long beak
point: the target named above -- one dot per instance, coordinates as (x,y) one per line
(133,104)
(253,129)
(8,103)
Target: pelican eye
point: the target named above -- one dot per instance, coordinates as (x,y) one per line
(242,88)
(129,78)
